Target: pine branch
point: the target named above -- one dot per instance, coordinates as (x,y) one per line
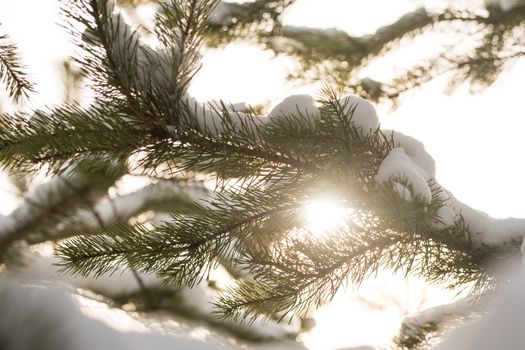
(319,45)
(228,15)
(163,195)
(337,55)
(12,72)
(48,202)
(66,191)
(421,330)
(110,43)
(60,136)
(304,274)
(479,69)
(281,161)
(180,250)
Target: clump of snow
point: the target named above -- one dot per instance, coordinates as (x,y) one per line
(364,115)
(490,230)
(416,151)
(296,105)
(484,228)
(409,160)
(397,166)
(209,117)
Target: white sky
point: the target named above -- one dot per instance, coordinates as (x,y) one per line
(476,140)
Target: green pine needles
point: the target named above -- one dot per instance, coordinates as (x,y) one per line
(12,72)
(268,169)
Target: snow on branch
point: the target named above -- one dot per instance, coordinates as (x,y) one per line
(334,43)
(43,315)
(419,329)
(501,327)
(403,219)
(232,14)
(409,163)
(123,285)
(164,195)
(334,52)
(46,201)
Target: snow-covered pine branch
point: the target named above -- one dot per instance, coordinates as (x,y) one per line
(422,329)
(296,138)
(43,315)
(269,168)
(123,285)
(335,53)
(163,196)
(48,202)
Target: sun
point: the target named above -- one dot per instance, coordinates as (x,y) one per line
(324,215)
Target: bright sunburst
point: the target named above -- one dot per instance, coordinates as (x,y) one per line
(324,215)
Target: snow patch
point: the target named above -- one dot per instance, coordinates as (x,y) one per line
(364,114)
(501,328)
(416,151)
(484,228)
(296,105)
(437,315)
(397,166)
(42,315)
(209,117)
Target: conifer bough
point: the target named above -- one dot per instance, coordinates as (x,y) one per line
(268,168)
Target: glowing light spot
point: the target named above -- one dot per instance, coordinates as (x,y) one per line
(323,216)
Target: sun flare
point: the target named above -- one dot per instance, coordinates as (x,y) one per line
(324,215)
